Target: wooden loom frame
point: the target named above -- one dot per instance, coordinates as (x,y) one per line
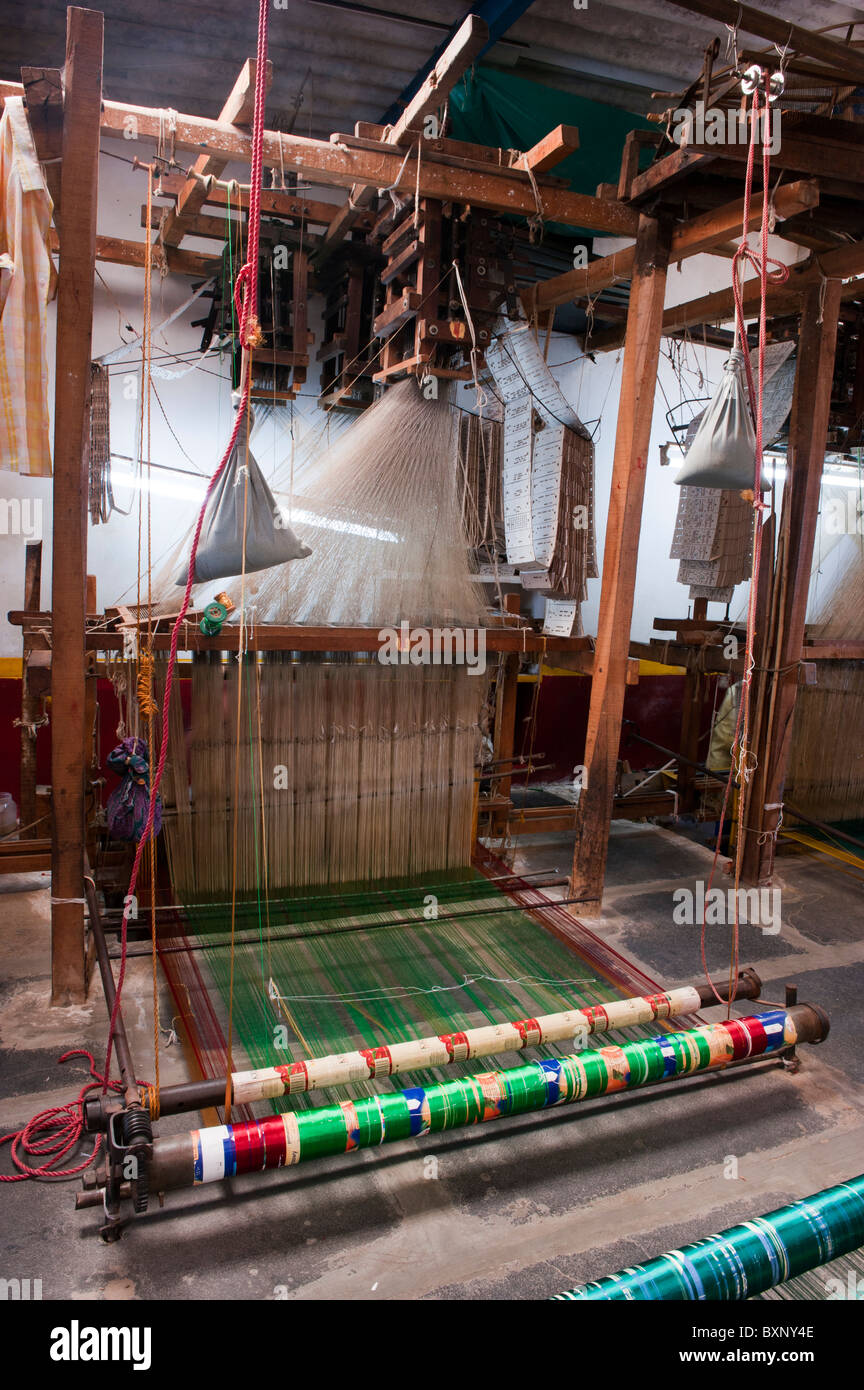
(67,108)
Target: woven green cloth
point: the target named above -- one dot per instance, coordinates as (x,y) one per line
(342,989)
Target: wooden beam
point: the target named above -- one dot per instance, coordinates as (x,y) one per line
(238,111)
(843,263)
(115,251)
(30,701)
(465,46)
(700,234)
(808,431)
(279,637)
(557,145)
(276,203)
(801,152)
(778,30)
(635,411)
(469,40)
(459,54)
(667,170)
(82,76)
(324,162)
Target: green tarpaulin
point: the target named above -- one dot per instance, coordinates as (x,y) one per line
(490,107)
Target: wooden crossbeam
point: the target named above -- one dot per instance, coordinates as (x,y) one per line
(667,170)
(116,251)
(554,147)
(322,161)
(702,233)
(276,203)
(278,637)
(778,30)
(238,111)
(467,43)
(839,152)
(842,263)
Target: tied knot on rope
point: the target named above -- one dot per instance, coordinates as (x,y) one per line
(251,334)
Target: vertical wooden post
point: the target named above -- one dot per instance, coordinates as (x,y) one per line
(29,702)
(80,170)
(808,430)
(505,705)
(635,410)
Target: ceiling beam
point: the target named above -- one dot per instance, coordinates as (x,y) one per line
(322,161)
(468,41)
(496,17)
(238,111)
(702,233)
(843,263)
(116,251)
(838,56)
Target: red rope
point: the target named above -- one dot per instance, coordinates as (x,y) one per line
(246,284)
(55,1132)
(755,391)
(247,308)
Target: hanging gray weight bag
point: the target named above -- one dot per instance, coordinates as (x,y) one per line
(723,451)
(269,539)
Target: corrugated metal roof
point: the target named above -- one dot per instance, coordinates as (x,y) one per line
(336,62)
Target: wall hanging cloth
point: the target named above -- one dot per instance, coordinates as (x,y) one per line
(723,452)
(28,272)
(269,539)
(128,804)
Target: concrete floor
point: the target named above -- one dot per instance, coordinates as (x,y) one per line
(519,1209)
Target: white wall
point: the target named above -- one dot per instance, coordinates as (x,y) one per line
(199,410)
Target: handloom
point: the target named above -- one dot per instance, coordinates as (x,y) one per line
(328,927)
(325,927)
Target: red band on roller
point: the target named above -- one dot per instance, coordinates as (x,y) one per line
(660,1004)
(749,1038)
(524,1026)
(452,1041)
(596,1015)
(372,1056)
(290,1072)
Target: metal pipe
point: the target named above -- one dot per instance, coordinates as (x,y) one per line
(252,938)
(671,753)
(820,825)
(121,1040)
(208,1155)
(441,890)
(706,771)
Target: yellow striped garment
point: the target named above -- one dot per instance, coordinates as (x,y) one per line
(28,273)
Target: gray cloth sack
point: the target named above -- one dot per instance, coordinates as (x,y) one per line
(269,539)
(723,451)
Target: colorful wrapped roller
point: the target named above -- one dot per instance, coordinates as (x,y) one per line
(744,1260)
(346,1068)
(295,1137)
